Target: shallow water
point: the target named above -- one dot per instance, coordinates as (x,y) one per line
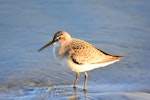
(117,27)
(68,93)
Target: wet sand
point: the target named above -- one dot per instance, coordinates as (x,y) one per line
(63,92)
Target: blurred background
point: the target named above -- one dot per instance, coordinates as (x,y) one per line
(116,26)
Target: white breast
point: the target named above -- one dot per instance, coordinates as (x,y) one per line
(56,51)
(61,58)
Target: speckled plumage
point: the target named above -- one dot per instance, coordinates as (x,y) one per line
(85,53)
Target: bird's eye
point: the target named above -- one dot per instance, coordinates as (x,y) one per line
(58,38)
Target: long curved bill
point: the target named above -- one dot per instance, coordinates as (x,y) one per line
(48,44)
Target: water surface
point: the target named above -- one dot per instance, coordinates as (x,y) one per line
(117,27)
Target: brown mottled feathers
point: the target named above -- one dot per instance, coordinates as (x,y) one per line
(85,53)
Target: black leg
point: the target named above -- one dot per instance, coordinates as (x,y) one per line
(76,80)
(85,81)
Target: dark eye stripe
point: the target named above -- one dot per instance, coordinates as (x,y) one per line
(58,38)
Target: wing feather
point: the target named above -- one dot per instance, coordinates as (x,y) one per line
(84,53)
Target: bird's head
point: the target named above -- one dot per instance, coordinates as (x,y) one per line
(61,37)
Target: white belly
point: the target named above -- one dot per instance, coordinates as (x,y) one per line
(87,67)
(65,60)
